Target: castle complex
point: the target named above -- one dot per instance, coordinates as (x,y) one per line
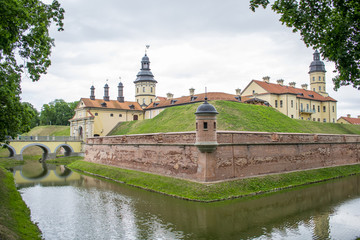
(97,117)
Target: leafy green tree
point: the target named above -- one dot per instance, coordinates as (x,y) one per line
(331,26)
(35,120)
(25,47)
(57,112)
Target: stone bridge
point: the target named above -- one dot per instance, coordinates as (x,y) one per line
(49,144)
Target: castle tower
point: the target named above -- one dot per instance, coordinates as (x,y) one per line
(206,140)
(317,75)
(145,84)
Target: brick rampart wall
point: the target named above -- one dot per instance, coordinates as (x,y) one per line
(239,154)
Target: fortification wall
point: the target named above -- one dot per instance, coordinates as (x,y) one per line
(238,155)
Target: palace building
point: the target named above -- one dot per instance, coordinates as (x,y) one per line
(312,104)
(98,116)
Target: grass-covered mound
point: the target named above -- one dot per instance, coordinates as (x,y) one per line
(49,130)
(232,116)
(15,222)
(216,191)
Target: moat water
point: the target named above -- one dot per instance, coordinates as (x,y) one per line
(67,205)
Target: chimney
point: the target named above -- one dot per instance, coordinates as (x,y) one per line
(169,96)
(292,84)
(349,115)
(304,86)
(238,91)
(120,97)
(266,79)
(280,82)
(358,116)
(92,92)
(192,91)
(106,92)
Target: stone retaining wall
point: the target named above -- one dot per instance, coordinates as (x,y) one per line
(239,154)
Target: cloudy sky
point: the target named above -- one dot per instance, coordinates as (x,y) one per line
(222,45)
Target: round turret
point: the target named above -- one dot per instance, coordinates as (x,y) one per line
(206,139)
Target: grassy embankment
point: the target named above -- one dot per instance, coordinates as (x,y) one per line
(15,222)
(232,116)
(216,191)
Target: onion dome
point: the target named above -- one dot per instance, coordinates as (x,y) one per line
(317,65)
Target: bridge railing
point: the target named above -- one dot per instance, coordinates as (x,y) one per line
(45,138)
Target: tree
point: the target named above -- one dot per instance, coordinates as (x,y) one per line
(35,120)
(331,26)
(25,47)
(57,112)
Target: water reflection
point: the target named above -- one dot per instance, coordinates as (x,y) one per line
(89,208)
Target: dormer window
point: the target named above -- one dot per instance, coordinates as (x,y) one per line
(132,106)
(193,98)
(103,104)
(173,101)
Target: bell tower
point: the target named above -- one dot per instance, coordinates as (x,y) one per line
(145,84)
(317,75)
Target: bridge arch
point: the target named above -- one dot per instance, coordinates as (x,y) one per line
(12,151)
(68,149)
(46,149)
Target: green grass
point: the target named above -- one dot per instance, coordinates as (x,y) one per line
(232,116)
(64,160)
(216,191)
(51,130)
(15,222)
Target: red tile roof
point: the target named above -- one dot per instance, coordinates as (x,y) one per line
(355,121)
(164,102)
(112,104)
(299,92)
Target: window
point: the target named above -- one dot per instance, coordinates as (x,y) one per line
(253,92)
(214,126)
(318,119)
(151,89)
(96,114)
(319,78)
(333,120)
(324,109)
(314,89)
(143,100)
(137,90)
(292,116)
(319,88)
(314,109)
(137,100)
(111,114)
(324,120)
(151,100)
(120,115)
(292,103)
(318,108)
(281,103)
(307,106)
(196,126)
(313,79)
(143,89)
(324,79)
(301,106)
(314,119)
(276,103)
(333,108)
(205,126)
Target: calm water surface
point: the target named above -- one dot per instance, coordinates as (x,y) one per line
(67,205)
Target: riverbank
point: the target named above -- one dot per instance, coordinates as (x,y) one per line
(194,191)
(15,222)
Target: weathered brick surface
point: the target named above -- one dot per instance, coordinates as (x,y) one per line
(239,154)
